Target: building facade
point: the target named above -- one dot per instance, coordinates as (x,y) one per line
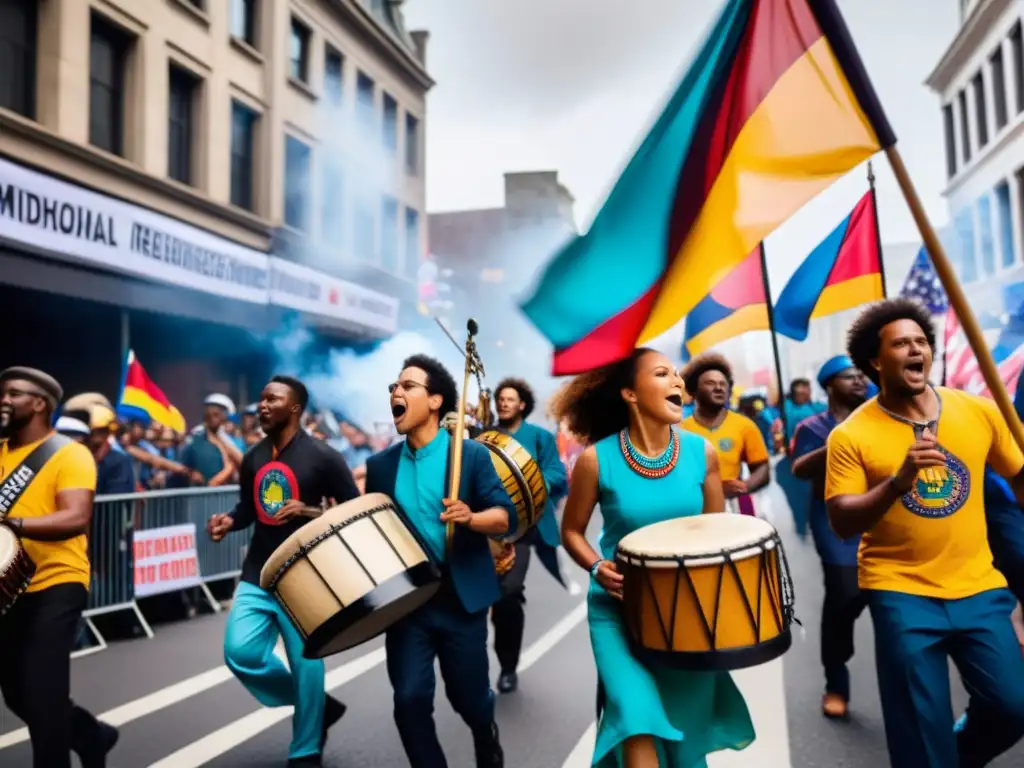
(181,176)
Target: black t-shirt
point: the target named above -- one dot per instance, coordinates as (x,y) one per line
(306,469)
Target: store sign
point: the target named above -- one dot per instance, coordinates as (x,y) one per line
(307,290)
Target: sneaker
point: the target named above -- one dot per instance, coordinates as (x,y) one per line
(334,710)
(833,706)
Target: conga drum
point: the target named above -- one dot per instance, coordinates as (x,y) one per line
(16,569)
(522,478)
(708,592)
(348,575)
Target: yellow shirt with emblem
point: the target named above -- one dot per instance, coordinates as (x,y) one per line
(737,440)
(933,541)
(71,468)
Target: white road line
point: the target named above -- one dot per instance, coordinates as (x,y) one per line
(223,740)
(583,751)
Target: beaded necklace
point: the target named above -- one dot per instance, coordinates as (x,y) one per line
(645,466)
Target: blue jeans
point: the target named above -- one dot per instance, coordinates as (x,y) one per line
(254,624)
(914,638)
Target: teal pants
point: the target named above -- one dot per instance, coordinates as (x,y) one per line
(254,624)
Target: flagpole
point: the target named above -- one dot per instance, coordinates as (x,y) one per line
(957,298)
(775,347)
(878,228)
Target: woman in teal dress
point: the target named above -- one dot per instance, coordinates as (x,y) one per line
(640,469)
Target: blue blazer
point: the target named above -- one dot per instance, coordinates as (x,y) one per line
(470,565)
(541,444)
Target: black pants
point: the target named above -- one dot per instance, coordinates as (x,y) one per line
(36,639)
(844,602)
(508,615)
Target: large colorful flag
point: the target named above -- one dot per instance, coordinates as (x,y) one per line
(143,400)
(773,110)
(960,366)
(842,272)
(734,306)
(923,284)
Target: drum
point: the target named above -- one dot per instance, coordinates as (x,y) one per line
(521,477)
(16,569)
(708,592)
(348,575)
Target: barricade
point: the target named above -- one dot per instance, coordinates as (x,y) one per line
(111,547)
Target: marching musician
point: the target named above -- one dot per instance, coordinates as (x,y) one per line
(452,626)
(515,403)
(708,379)
(285,479)
(906,470)
(642,470)
(51,480)
(844,601)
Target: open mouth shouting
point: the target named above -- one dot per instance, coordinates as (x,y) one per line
(913,371)
(398,410)
(675,401)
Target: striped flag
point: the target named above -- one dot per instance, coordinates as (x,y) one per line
(960,367)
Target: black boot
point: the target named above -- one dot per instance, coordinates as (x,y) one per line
(95,755)
(508,682)
(334,710)
(488,748)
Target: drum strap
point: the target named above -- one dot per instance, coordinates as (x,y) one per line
(21,477)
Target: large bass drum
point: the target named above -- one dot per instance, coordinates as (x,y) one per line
(521,477)
(16,569)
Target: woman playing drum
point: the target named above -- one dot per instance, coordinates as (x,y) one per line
(641,470)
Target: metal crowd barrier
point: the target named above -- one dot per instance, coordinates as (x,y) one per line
(115,519)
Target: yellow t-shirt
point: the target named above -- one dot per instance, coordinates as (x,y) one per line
(71,468)
(737,440)
(933,542)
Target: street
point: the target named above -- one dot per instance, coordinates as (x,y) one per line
(179,707)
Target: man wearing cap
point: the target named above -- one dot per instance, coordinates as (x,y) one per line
(204,453)
(844,601)
(51,513)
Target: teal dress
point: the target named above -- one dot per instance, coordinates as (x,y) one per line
(690,714)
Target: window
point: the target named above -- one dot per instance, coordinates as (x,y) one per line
(332,205)
(980,111)
(964,224)
(299,51)
(965,128)
(1004,211)
(412,144)
(1017,61)
(18,25)
(988,246)
(364,101)
(243,21)
(333,64)
(365,234)
(243,155)
(108,53)
(412,242)
(999,88)
(389,234)
(296,183)
(179,124)
(390,128)
(950,134)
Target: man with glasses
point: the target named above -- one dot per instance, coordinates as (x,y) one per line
(844,602)
(47,484)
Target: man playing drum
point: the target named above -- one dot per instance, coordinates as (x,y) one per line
(515,402)
(844,601)
(51,480)
(452,627)
(906,470)
(285,479)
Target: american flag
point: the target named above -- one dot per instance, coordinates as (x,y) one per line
(923,284)
(961,369)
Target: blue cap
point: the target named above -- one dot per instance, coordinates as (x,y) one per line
(837,364)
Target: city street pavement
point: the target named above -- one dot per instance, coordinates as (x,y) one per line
(179,707)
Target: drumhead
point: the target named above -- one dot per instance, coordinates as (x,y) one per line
(340,515)
(9,547)
(701,539)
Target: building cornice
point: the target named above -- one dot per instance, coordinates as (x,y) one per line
(970,35)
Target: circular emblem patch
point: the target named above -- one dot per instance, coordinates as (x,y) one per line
(725,444)
(939,491)
(275,484)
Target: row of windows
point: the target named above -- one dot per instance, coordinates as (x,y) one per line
(956,115)
(985,231)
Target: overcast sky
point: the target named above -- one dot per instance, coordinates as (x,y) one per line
(572,85)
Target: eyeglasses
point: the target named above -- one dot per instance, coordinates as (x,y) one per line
(405,386)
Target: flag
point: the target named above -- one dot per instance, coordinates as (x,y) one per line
(923,284)
(842,272)
(734,306)
(960,366)
(775,107)
(143,400)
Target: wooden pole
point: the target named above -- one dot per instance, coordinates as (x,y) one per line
(957,299)
(775,348)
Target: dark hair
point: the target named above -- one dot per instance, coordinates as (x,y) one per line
(298,390)
(591,404)
(864,339)
(799,383)
(710,361)
(522,389)
(439,381)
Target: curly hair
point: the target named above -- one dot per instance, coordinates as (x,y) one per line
(439,381)
(522,389)
(864,339)
(709,361)
(591,405)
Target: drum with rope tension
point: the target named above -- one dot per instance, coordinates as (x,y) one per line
(16,569)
